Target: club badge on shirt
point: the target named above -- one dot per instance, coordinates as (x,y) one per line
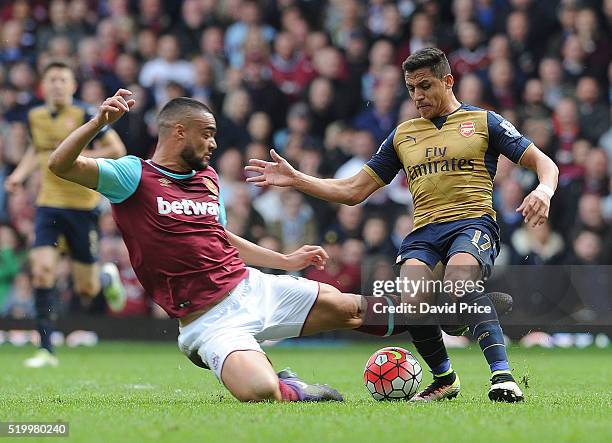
(467,129)
(210,185)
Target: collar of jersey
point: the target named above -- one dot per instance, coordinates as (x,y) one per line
(170,173)
(439,121)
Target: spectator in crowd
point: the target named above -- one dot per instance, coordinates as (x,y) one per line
(380,118)
(236,34)
(323,107)
(537,246)
(502,88)
(230,173)
(298,126)
(11,260)
(260,128)
(328,63)
(518,28)
(471,90)
(60,24)
(593,115)
(203,88)
(337,272)
(567,130)
(586,249)
(233,119)
(362,147)
(471,55)
(376,238)
(509,220)
(297,225)
(19,302)
(168,66)
(291,70)
(533,101)
(243,219)
(597,48)
(211,47)
(551,74)
(380,56)
(574,59)
(195,16)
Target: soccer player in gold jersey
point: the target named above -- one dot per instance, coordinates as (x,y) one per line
(449,156)
(64,209)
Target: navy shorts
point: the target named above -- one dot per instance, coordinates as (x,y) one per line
(79,228)
(437,242)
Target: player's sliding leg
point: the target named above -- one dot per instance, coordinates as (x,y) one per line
(91,281)
(43,262)
(484,326)
(249,376)
(263,307)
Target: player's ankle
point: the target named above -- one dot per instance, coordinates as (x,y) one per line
(448,378)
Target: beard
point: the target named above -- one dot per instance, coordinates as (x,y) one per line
(189,156)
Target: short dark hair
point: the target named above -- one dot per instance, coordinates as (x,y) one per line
(178,108)
(59,64)
(431,58)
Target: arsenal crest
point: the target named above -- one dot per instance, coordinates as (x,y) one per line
(210,185)
(467,129)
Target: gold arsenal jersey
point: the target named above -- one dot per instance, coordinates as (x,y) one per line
(47,130)
(449,162)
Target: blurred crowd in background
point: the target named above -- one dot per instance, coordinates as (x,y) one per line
(321,82)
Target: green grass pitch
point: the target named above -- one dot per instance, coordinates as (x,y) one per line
(137,392)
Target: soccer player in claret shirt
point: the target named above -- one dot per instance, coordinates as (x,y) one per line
(64,209)
(449,156)
(171,216)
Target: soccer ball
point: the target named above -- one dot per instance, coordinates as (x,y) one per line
(392,374)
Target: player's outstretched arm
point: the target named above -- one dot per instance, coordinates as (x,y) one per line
(66,161)
(110,146)
(279,172)
(536,205)
(256,255)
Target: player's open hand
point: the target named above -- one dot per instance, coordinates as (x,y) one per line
(276,173)
(114,107)
(306,256)
(535,208)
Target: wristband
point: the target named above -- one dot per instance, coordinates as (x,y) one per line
(546,190)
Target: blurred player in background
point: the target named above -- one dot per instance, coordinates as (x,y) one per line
(450,158)
(64,209)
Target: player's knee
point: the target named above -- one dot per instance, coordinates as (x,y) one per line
(456,276)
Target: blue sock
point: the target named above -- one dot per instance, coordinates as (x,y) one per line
(442,369)
(486,329)
(43,298)
(428,342)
